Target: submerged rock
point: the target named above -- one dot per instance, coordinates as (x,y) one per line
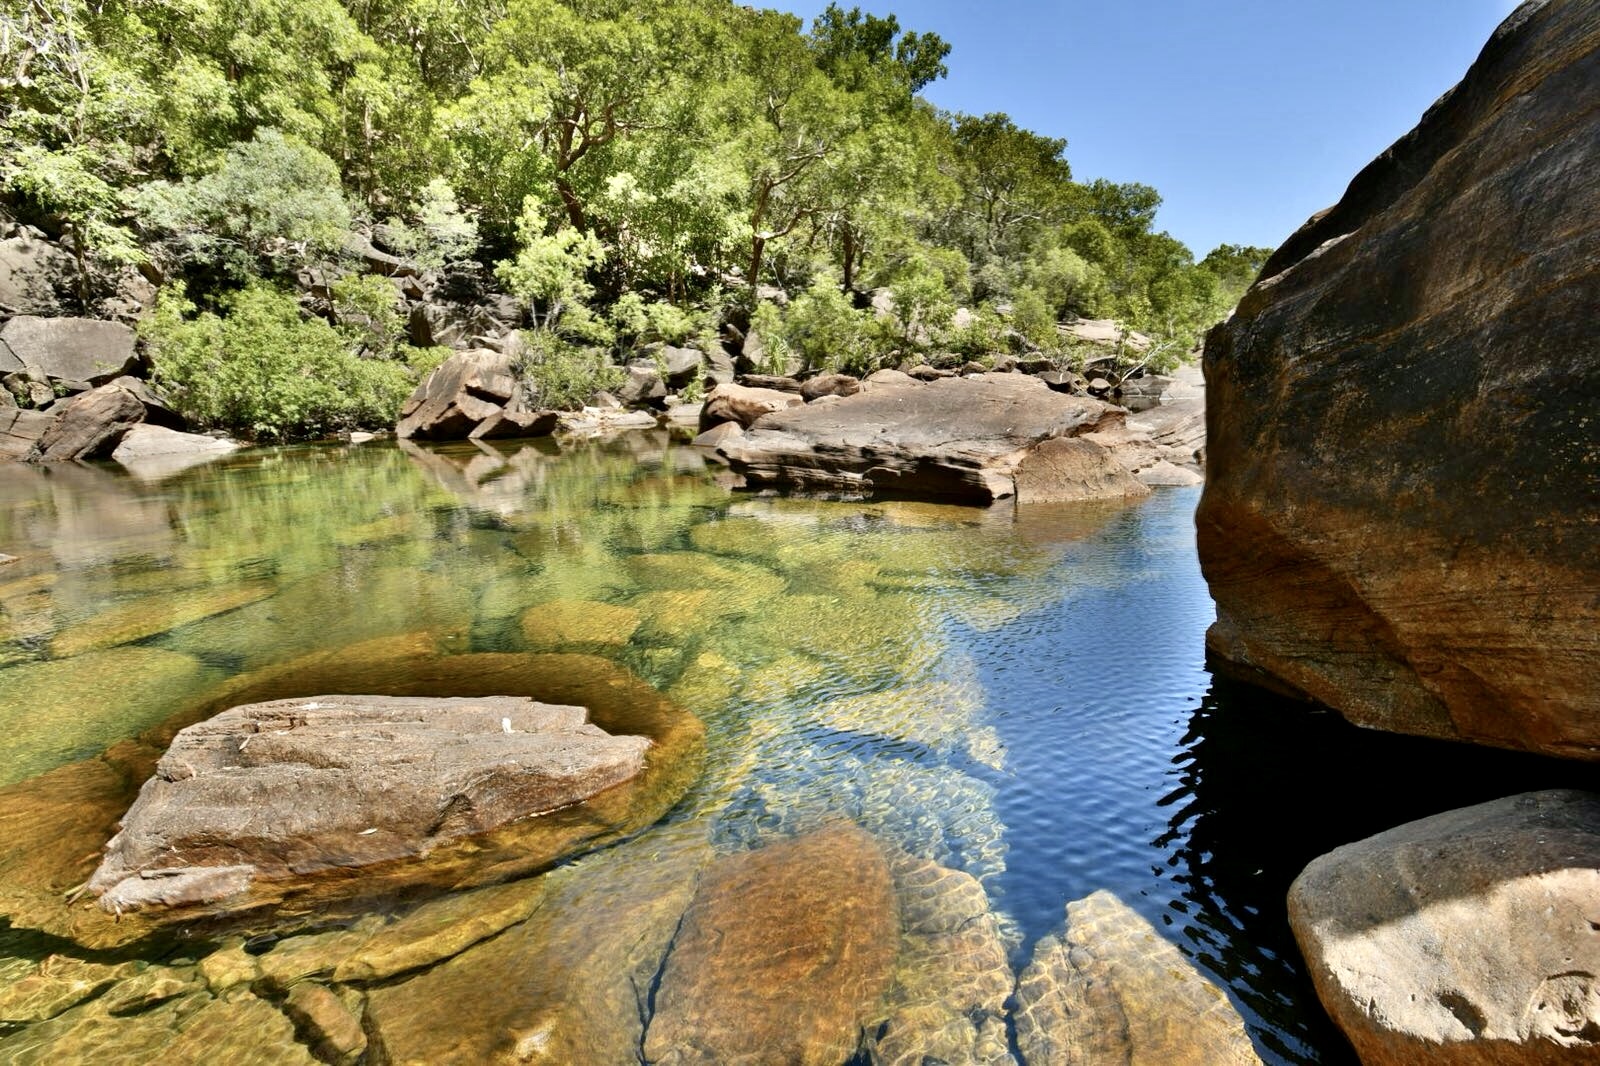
(284,790)
(1469,937)
(1111,989)
(958,438)
(1399,518)
(727,996)
(55,985)
(569,985)
(952,977)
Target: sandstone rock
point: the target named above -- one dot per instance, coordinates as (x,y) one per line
(644,384)
(682,365)
(727,996)
(959,438)
(744,404)
(1163,473)
(68,349)
(375,261)
(36,276)
(1105,333)
(56,984)
(1399,517)
(153,452)
(684,414)
(718,434)
(1111,989)
(20,430)
(451,325)
(473,393)
(560,623)
(88,426)
(149,615)
(1468,937)
(924,372)
(242,1030)
(886,377)
(570,985)
(830,385)
(775,382)
(952,979)
(720,368)
(280,790)
(157,411)
(1066,469)
(325,1023)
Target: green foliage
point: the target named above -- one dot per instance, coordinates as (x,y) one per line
(565,376)
(274,201)
(1031,316)
(441,232)
(827,332)
(370,312)
(260,371)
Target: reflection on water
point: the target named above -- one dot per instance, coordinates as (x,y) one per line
(1011,701)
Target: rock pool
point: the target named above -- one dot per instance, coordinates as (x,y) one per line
(928,729)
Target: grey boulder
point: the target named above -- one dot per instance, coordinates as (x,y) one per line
(68,349)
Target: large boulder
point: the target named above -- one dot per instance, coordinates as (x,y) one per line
(1466,938)
(1403,448)
(726,995)
(744,404)
(36,276)
(956,438)
(88,426)
(282,790)
(1111,989)
(20,430)
(68,349)
(474,394)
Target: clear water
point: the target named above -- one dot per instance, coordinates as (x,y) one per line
(1020,695)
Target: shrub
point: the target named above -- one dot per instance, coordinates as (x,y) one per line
(260,371)
(826,331)
(565,376)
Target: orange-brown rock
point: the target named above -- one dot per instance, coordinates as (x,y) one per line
(782,956)
(1402,512)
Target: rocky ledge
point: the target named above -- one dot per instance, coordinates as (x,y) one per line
(979,438)
(1404,457)
(283,790)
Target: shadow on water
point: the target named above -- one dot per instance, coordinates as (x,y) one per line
(1265,786)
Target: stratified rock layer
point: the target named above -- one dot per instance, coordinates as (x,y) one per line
(782,956)
(278,791)
(1111,990)
(1402,513)
(956,438)
(1466,938)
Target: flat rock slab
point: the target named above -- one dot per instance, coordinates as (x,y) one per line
(956,438)
(783,955)
(280,790)
(1111,990)
(1469,937)
(154,452)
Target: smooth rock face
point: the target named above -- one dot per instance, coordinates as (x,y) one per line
(960,438)
(20,430)
(88,426)
(154,451)
(280,790)
(1069,468)
(742,404)
(726,996)
(68,349)
(830,385)
(1469,937)
(472,394)
(1112,990)
(1399,517)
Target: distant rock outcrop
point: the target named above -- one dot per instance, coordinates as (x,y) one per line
(473,395)
(1400,516)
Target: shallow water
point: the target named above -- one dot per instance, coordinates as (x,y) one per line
(1018,695)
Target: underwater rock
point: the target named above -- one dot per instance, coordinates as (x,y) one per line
(283,790)
(727,996)
(56,984)
(952,977)
(561,623)
(150,615)
(243,1030)
(1112,990)
(1399,513)
(326,1023)
(956,438)
(569,985)
(1468,937)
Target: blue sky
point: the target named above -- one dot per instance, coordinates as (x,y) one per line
(1247,115)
